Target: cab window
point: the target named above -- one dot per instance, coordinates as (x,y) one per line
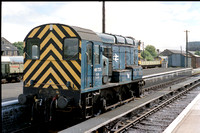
(89,53)
(96,54)
(33,50)
(71,49)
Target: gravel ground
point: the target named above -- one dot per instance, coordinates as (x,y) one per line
(159,121)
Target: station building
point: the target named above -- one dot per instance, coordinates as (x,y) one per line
(7,48)
(177,58)
(195,59)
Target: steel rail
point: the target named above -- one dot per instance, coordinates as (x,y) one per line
(134,122)
(9,103)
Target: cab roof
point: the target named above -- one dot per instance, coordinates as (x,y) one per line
(82,33)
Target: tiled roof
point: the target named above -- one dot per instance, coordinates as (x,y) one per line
(7,46)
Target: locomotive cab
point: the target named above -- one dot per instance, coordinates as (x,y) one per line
(52,65)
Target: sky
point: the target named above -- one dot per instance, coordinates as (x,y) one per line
(161,24)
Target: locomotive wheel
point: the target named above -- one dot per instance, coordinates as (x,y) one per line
(9,80)
(17,79)
(109,96)
(103,104)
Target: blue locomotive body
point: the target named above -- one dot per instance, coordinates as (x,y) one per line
(69,67)
(114,59)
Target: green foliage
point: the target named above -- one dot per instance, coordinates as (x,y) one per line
(149,53)
(20,47)
(152,50)
(146,55)
(197,53)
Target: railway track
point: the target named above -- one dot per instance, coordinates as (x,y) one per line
(140,109)
(126,125)
(160,120)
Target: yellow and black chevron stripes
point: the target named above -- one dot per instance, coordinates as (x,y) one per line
(33,32)
(50,70)
(80,50)
(49,49)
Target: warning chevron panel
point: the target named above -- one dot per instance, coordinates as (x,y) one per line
(50,69)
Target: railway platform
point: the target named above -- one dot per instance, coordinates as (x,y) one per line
(188,120)
(101,120)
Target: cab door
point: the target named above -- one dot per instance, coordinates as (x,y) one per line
(89,65)
(93,66)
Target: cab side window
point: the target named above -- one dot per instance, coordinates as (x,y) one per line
(89,53)
(33,50)
(96,54)
(71,49)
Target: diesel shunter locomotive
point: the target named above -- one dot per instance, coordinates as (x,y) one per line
(71,68)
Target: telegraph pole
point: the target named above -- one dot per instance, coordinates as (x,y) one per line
(103,18)
(187,47)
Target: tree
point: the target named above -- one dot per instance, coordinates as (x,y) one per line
(197,53)
(20,47)
(149,53)
(146,55)
(152,50)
